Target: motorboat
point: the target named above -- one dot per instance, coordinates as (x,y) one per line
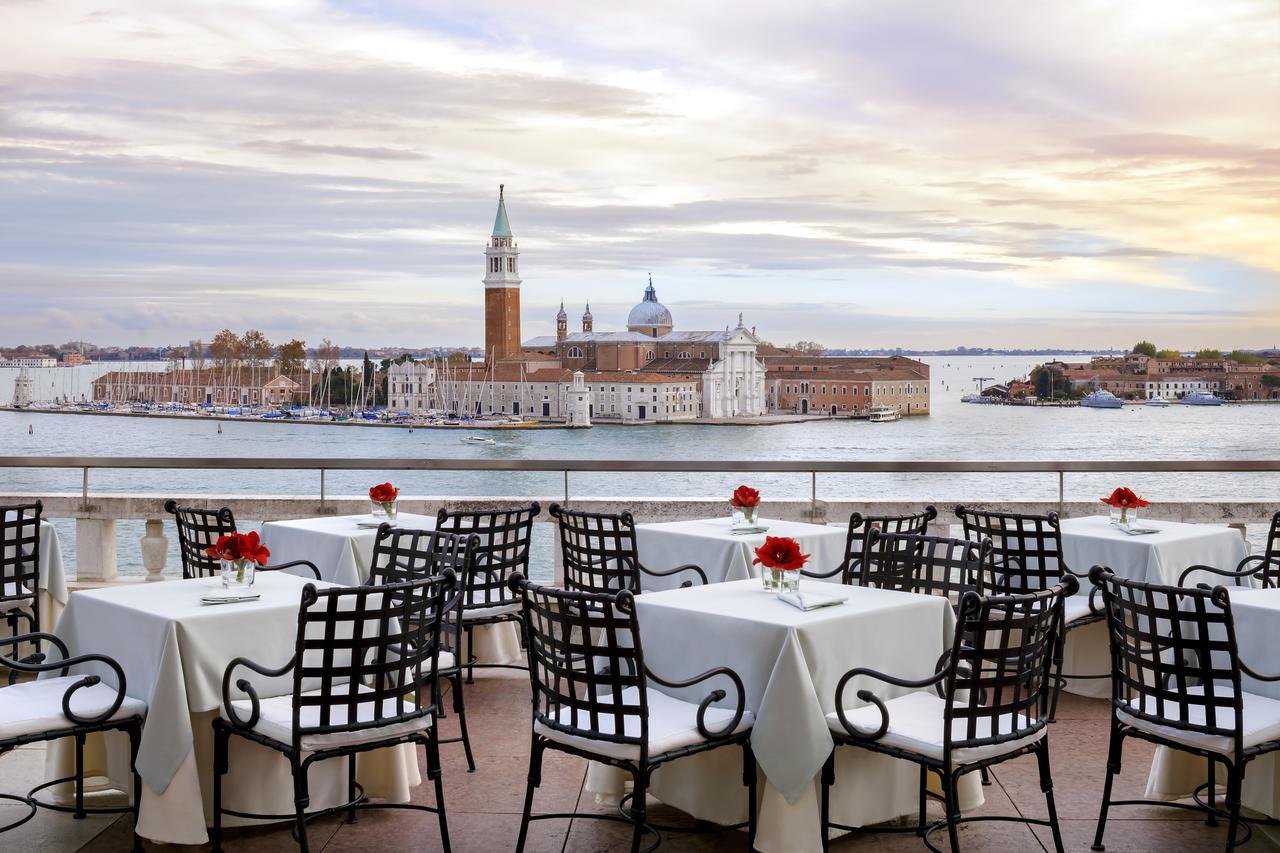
(1201,398)
(883,414)
(1102,400)
(1158,402)
(476,439)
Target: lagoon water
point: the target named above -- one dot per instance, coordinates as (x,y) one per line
(953,431)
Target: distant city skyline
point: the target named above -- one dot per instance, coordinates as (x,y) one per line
(913,175)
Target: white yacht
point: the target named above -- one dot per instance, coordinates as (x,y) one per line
(1102,400)
(476,439)
(1158,402)
(883,414)
(1201,398)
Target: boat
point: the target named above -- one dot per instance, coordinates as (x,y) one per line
(476,439)
(1102,400)
(883,414)
(1201,398)
(1158,402)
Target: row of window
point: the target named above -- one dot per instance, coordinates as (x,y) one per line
(495,265)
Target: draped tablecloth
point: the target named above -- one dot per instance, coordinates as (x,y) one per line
(343,552)
(51,581)
(1175,775)
(174,650)
(789,662)
(710,544)
(1151,558)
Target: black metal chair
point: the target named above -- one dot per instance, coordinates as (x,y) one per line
(931,565)
(20,565)
(599,550)
(400,555)
(1266,572)
(487,599)
(199,529)
(860,526)
(1027,557)
(987,704)
(592,698)
(71,706)
(364,677)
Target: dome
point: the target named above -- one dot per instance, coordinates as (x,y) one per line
(650,312)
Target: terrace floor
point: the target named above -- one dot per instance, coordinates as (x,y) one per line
(484,807)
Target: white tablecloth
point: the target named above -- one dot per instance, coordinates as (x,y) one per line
(725,556)
(1174,775)
(789,662)
(174,651)
(51,583)
(343,552)
(1151,558)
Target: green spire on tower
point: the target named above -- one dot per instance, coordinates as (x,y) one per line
(501,227)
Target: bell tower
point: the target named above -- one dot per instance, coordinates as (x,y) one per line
(562,324)
(501,289)
(586,319)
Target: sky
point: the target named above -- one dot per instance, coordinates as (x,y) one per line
(922,175)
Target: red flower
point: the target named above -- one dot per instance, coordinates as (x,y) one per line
(1123,498)
(745,497)
(239,546)
(780,552)
(384,493)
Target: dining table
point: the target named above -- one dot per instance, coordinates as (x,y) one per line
(725,553)
(173,649)
(1159,557)
(51,580)
(341,547)
(789,661)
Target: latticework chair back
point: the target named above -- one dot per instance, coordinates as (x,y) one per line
(1174,659)
(503,550)
(599,550)
(861,526)
(197,530)
(366,656)
(584,654)
(999,683)
(401,554)
(1026,549)
(20,558)
(932,565)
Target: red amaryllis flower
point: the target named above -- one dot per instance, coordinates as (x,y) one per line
(745,497)
(780,552)
(239,546)
(1123,498)
(383,493)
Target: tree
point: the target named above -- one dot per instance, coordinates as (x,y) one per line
(175,356)
(225,349)
(1169,354)
(809,347)
(1242,357)
(197,355)
(1050,383)
(1208,353)
(1145,348)
(291,357)
(327,355)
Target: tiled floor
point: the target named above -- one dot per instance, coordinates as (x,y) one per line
(484,807)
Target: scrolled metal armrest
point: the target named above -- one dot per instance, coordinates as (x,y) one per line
(716,695)
(1257,675)
(245,687)
(33,637)
(28,664)
(838,570)
(689,568)
(292,564)
(1228,573)
(871,698)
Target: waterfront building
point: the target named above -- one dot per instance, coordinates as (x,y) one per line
(845,385)
(579,402)
(282,391)
(410,386)
(612,395)
(74,359)
(211,386)
(1177,386)
(29,361)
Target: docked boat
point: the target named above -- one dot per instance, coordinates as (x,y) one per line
(1158,402)
(883,414)
(1102,400)
(1201,398)
(476,439)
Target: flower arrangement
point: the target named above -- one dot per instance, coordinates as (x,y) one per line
(239,552)
(382,497)
(781,560)
(1124,506)
(745,503)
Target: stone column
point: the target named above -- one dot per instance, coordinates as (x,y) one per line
(95,549)
(155,550)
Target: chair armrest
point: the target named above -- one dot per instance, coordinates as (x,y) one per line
(29,664)
(689,568)
(35,636)
(838,570)
(868,696)
(310,565)
(1226,573)
(1257,675)
(244,686)
(716,695)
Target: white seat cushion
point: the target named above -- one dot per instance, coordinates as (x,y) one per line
(275,720)
(1077,607)
(673,724)
(1261,722)
(471,613)
(31,707)
(446,660)
(915,724)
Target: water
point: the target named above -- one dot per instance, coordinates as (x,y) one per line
(954,431)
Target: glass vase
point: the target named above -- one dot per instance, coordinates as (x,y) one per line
(383,510)
(789,581)
(1126,517)
(771,579)
(237,574)
(745,516)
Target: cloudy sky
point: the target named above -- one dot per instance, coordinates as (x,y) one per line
(863,174)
